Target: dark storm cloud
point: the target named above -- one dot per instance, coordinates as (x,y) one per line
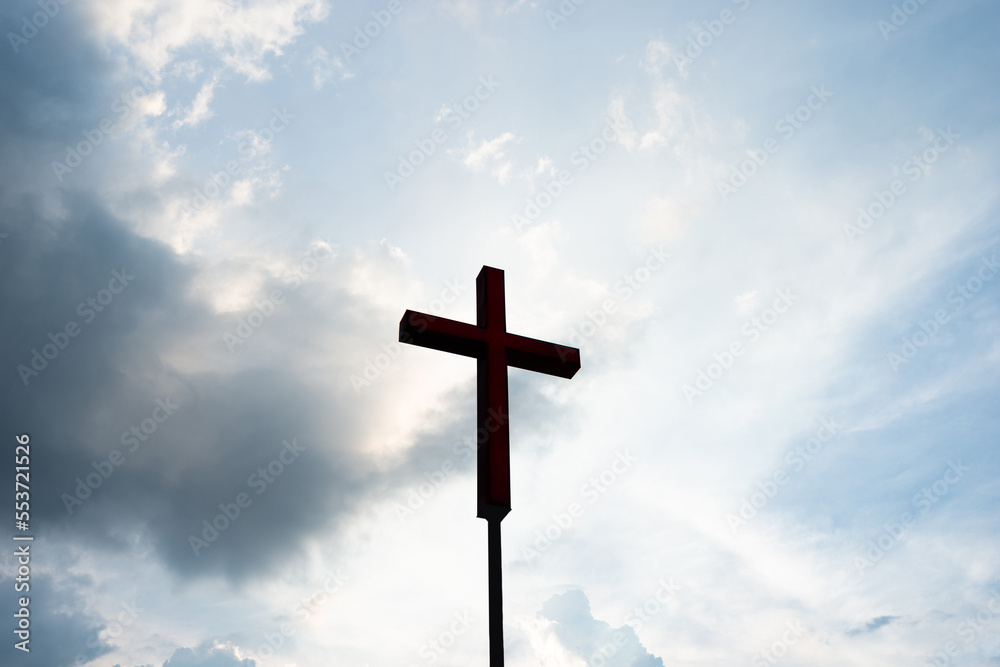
(61,629)
(195,459)
(55,87)
(596,642)
(81,404)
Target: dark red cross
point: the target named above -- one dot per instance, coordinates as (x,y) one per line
(494,350)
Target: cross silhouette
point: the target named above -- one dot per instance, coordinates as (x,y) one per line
(494,350)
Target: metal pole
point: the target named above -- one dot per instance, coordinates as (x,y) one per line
(496,595)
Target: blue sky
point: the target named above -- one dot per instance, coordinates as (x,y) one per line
(771,229)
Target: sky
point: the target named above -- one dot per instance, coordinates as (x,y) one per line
(771,228)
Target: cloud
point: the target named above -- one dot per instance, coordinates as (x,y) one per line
(746,302)
(199,110)
(616,111)
(240,35)
(209,654)
(489,151)
(872,625)
(587,638)
(155,340)
(326,67)
(669,106)
(63,627)
(161,340)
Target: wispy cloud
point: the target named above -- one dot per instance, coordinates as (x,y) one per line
(488,154)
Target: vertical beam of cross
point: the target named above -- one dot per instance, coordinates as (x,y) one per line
(494,350)
(494,462)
